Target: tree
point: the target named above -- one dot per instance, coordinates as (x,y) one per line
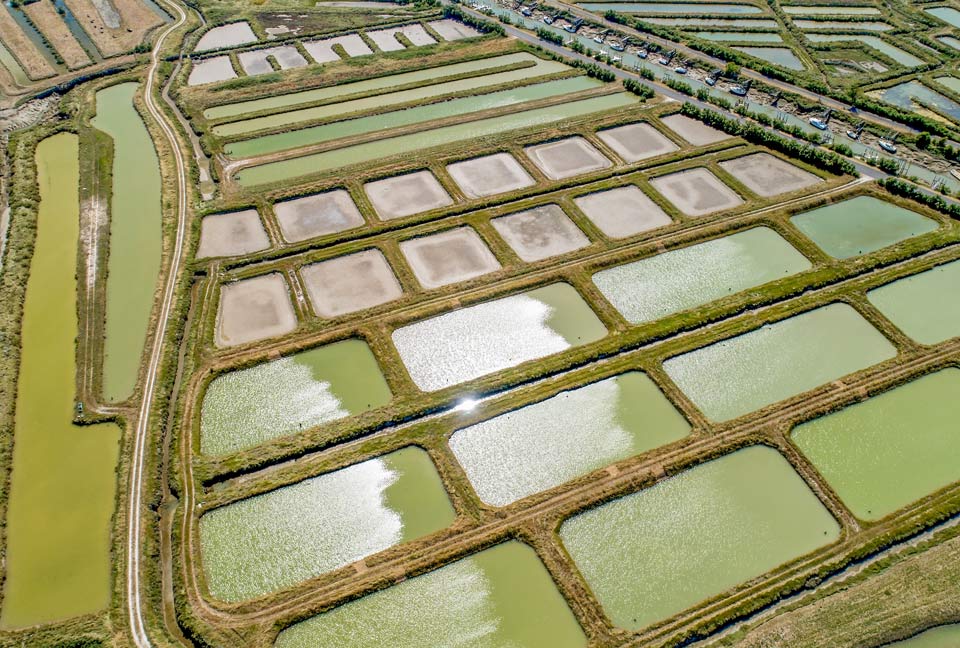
(923,140)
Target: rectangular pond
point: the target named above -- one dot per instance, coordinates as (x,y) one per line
(563,437)
(502,596)
(825,10)
(889,451)
(655,553)
(900,56)
(903,95)
(250,406)
(736,376)
(925,306)
(477,340)
(714,23)
(782,56)
(948,15)
(286,169)
(280,538)
(741,37)
(652,288)
(859,25)
(688,8)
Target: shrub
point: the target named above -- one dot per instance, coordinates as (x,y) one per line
(905,189)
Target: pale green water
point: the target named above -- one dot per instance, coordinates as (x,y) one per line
(947,14)
(245,408)
(689,8)
(949,40)
(502,596)
(860,225)
(287,169)
(477,340)
(925,306)
(782,56)
(807,10)
(947,636)
(949,82)
(540,68)
(891,450)
(859,25)
(737,376)
(651,288)
(264,543)
(655,553)
(714,23)
(63,481)
(900,56)
(9,62)
(135,238)
(744,37)
(435,74)
(551,442)
(418,115)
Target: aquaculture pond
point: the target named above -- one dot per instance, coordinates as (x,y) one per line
(135,238)
(741,37)
(247,407)
(425,76)
(548,443)
(742,374)
(650,555)
(270,541)
(468,343)
(949,82)
(385,147)
(846,25)
(824,10)
(12,66)
(860,225)
(502,596)
(782,56)
(902,95)
(673,281)
(889,451)
(900,56)
(925,306)
(418,115)
(947,636)
(948,15)
(538,67)
(688,8)
(714,23)
(63,479)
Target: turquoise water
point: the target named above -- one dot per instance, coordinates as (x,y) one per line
(782,56)
(902,96)
(947,14)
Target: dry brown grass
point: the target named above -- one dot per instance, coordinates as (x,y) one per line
(136,19)
(44,15)
(23,49)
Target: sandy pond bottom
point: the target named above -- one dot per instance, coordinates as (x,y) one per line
(635,142)
(540,233)
(321,51)
(280,538)
(742,374)
(925,306)
(407,194)
(696,192)
(623,211)
(502,596)
(218,68)
(567,157)
(525,451)
(716,525)
(256,61)
(231,35)
(246,407)
(489,175)
(452,30)
(695,132)
(889,451)
(468,343)
(350,283)
(311,216)
(232,234)
(767,175)
(254,309)
(448,257)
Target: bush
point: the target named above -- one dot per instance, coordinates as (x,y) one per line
(679,86)
(549,35)
(907,190)
(481,25)
(642,90)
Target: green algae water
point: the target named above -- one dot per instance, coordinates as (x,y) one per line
(417,115)
(247,407)
(860,225)
(135,238)
(477,340)
(734,377)
(655,553)
(890,450)
(925,306)
(651,288)
(947,636)
(317,162)
(264,543)
(548,443)
(63,481)
(502,596)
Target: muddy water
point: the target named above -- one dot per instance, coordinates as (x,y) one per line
(288,535)
(244,408)
(548,443)
(420,114)
(893,449)
(925,306)
(667,283)
(655,553)
(502,596)
(739,375)
(382,148)
(135,238)
(860,225)
(472,342)
(63,481)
